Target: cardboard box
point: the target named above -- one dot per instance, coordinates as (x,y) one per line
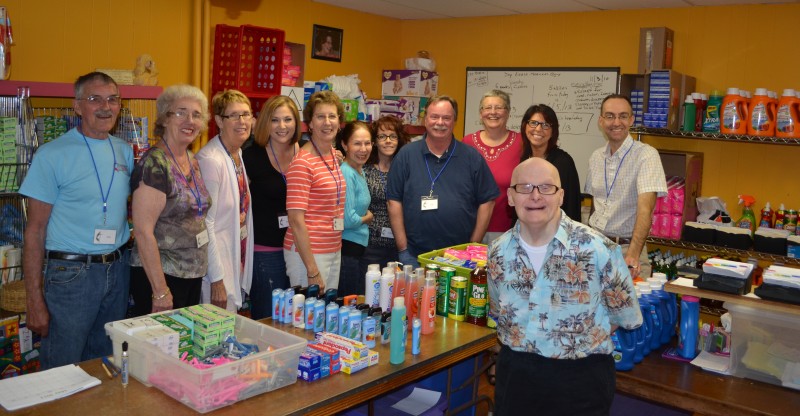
(407,82)
(413,108)
(666,92)
(655,48)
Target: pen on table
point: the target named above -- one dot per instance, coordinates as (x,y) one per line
(106,369)
(110,367)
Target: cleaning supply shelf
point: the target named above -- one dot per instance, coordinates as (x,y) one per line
(740,138)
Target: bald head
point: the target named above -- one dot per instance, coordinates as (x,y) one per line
(536,171)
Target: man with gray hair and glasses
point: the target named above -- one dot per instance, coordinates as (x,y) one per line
(75,256)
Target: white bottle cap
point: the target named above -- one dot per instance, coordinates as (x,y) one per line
(788,92)
(761,91)
(374,267)
(645,290)
(704,97)
(733,91)
(696,95)
(399,301)
(660,276)
(689,99)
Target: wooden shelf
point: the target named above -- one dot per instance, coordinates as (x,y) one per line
(758,303)
(66,90)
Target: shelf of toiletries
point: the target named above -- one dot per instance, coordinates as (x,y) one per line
(740,138)
(787,261)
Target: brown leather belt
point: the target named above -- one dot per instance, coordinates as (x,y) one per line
(619,240)
(85,258)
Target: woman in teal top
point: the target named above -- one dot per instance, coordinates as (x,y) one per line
(356,142)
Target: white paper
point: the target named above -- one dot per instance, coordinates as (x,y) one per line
(44,386)
(713,362)
(419,401)
(682,281)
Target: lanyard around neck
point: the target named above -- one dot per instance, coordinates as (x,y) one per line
(433,180)
(241,184)
(196,191)
(333,161)
(278,162)
(605,171)
(103,195)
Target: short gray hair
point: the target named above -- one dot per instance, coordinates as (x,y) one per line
(499,94)
(174,93)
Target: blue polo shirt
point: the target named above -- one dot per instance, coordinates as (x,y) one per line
(464,183)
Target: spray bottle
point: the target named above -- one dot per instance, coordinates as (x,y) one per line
(766,217)
(748,219)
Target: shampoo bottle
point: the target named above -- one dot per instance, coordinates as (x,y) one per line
(780,217)
(428,306)
(397,344)
(766,217)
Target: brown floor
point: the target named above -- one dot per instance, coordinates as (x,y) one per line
(486,389)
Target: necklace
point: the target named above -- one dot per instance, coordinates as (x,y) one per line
(491,153)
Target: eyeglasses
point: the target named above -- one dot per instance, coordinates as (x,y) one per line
(527,188)
(184,114)
(534,124)
(494,107)
(386,137)
(241,117)
(112,100)
(612,116)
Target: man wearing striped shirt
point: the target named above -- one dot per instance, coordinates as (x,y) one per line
(625,178)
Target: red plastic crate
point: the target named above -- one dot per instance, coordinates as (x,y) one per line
(247,58)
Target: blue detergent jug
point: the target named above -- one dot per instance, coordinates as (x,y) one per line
(690,317)
(624,349)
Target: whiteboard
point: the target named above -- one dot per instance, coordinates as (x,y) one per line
(574,93)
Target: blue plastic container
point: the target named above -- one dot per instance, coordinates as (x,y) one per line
(690,318)
(624,349)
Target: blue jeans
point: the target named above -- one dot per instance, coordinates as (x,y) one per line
(82,298)
(269,272)
(376,255)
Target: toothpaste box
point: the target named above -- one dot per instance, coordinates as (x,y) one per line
(351,366)
(347,347)
(309,375)
(133,325)
(408,82)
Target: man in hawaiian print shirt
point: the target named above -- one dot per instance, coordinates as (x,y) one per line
(559,289)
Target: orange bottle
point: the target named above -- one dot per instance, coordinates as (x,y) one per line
(762,114)
(787,122)
(734,113)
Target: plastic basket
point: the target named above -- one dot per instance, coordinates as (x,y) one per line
(426,258)
(247,58)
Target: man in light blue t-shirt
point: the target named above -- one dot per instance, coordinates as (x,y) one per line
(75,257)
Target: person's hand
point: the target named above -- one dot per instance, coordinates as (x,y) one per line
(633,265)
(162,303)
(317,279)
(367,218)
(219,297)
(407,258)
(339,155)
(38,317)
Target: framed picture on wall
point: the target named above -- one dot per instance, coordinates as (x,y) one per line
(327,43)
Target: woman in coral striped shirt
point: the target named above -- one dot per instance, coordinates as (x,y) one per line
(315,195)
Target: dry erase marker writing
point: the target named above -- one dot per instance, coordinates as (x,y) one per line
(125,364)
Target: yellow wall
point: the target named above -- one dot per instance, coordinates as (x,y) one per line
(744,46)
(736,46)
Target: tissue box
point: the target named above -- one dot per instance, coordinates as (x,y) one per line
(764,344)
(696,232)
(733,237)
(793,246)
(768,240)
(397,82)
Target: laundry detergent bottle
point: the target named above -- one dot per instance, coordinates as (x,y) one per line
(787,122)
(762,114)
(734,113)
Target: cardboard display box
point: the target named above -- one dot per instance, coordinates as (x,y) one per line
(655,48)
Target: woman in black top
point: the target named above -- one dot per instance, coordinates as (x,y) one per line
(276,135)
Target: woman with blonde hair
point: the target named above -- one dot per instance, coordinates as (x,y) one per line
(169,207)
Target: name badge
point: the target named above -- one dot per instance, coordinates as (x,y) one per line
(243,232)
(202,238)
(386,232)
(430,203)
(283,221)
(338,224)
(104,236)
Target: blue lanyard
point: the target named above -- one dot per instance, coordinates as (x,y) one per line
(196,195)
(333,160)
(103,196)
(433,180)
(277,162)
(242,190)
(605,172)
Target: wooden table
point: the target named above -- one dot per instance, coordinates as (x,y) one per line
(452,342)
(685,386)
